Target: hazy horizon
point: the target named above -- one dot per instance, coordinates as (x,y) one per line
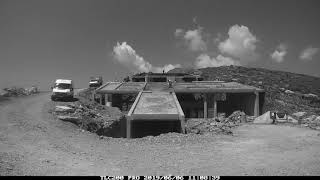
(43,40)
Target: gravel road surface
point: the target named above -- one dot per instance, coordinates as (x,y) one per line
(32,142)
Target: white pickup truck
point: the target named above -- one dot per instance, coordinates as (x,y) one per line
(62,89)
(95,82)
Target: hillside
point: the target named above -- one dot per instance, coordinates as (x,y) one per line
(285,91)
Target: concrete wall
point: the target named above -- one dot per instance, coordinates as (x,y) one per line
(237,101)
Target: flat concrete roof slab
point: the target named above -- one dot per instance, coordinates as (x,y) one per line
(179,87)
(131,86)
(157,86)
(156,103)
(110,86)
(121,87)
(207,86)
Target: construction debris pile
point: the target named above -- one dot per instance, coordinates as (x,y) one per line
(308,120)
(91,116)
(16,91)
(220,125)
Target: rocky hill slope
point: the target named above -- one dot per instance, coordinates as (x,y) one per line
(285,91)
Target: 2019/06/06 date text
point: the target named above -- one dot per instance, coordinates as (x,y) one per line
(160,177)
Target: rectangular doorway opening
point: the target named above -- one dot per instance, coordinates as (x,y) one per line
(142,128)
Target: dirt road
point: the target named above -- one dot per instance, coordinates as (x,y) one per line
(32,142)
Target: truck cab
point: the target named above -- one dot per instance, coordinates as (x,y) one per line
(95,82)
(62,89)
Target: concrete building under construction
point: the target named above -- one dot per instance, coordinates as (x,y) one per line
(163,102)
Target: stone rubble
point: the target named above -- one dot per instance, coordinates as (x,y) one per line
(17,91)
(299,114)
(89,116)
(312,121)
(220,125)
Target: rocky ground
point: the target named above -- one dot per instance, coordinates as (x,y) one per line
(34,142)
(18,91)
(37,138)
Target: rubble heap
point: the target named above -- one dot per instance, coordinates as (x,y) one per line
(91,116)
(220,125)
(16,91)
(307,119)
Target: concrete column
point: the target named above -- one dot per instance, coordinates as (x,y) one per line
(108,98)
(256,104)
(205,106)
(123,126)
(92,95)
(146,79)
(128,128)
(100,99)
(215,114)
(183,128)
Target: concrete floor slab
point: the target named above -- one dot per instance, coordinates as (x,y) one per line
(156,103)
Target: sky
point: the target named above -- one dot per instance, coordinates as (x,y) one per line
(43,40)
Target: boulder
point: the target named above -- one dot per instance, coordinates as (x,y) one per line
(263,119)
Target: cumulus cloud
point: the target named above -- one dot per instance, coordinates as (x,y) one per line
(279,53)
(241,44)
(239,48)
(308,53)
(192,38)
(128,57)
(204,60)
